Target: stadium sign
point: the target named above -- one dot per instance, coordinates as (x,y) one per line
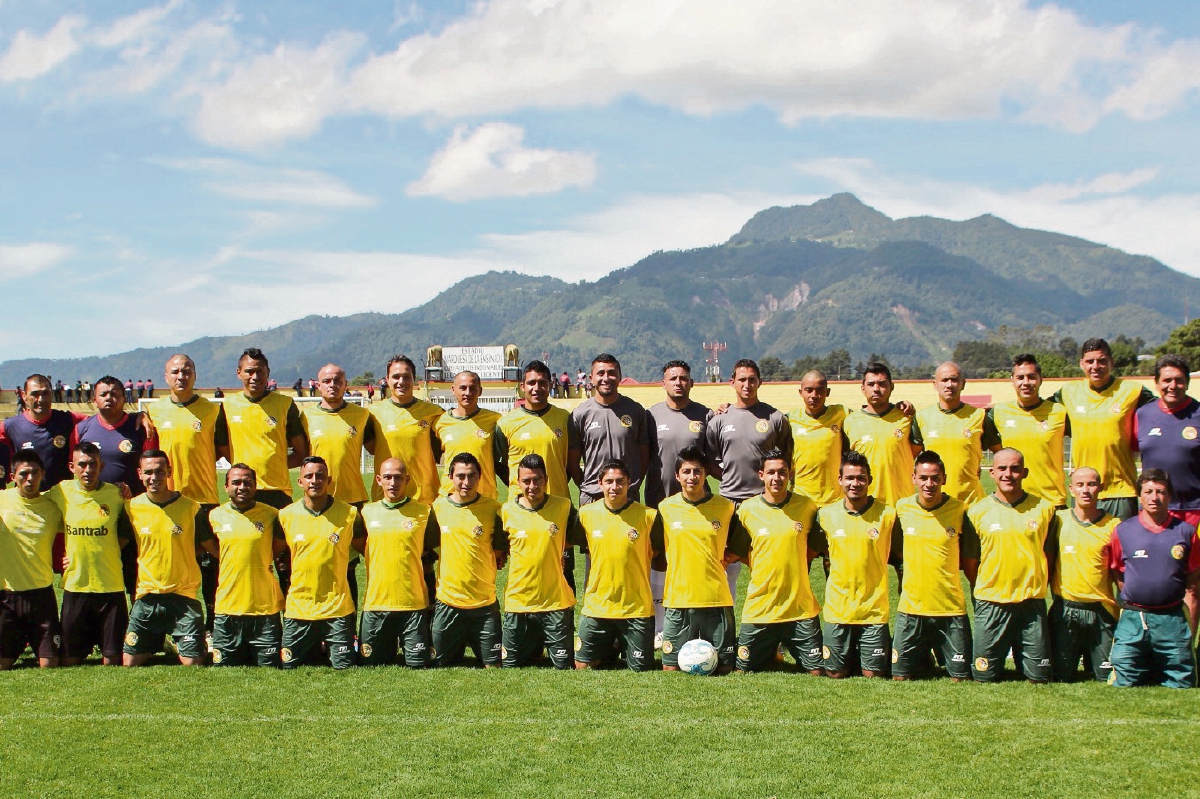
(487,362)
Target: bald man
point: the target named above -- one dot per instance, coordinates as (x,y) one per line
(818,439)
(957,432)
(468,428)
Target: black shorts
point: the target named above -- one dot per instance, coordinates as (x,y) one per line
(29,618)
(91,620)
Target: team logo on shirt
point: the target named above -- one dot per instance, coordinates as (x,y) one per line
(798,527)
(762,426)
(177,530)
(366,650)
(695,426)
(632,534)
(103,510)
(1044,425)
(895,656)
(216,656)
(626,421)
(422,423)
(553,528)
(409,524)
(125,446)
(59,442)
(558,432)
(967,433)
(351,431)
(1032,524)
(873,533)
(951,532)
(286,654)
(1189,433)
(196,425)
(1117,410)
(716,524)
(898,433)
(259,526)
(835,428)
(1177,552)
(477,531)
(272,421)
(481,433)
(334,538)
(825,652)
(131,639)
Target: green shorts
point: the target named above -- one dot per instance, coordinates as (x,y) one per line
(302,637)
(526,634)
(947,636)
(384,634)
(1120,507)
(246,640)
(849,648)
(1080,630)
(156,615)
(714,625)
(758,644)
(455,629)
(1019,627)
(597,636)
(1153,648)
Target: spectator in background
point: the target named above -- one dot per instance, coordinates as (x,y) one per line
(70,392)
(565,385)
(141,388)
(58,391)
(218,394)
(149,388)
(128,391)
(298,387)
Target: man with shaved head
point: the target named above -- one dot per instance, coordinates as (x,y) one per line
(818,441)
(468,428)
(1084,613)
(957,432)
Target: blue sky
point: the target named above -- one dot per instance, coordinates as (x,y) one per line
(186,168)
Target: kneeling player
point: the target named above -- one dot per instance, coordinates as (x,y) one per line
(399,532)
(539,606)
(933,610)
(319,529)
(246,626)
(693,529)
(29,522)
(617,601)
(472,538)
(857,539)
(775,537)
(168,584)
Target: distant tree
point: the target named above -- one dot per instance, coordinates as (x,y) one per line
(773,369)
(1184,340)
(364,379)
(982,358)
(837,364)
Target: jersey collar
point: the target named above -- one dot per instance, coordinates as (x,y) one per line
(545,499)
(786,499)
(1024,496)
(322,511)
(391,506)
(617,511)
(195,398)
(867,410)
(166,504)
(464,504)
(867,507)
(698,503)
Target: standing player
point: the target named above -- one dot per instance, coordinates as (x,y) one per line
(776,538)
(539,605)
(883,433)
(1156,560)
(468,428)
(97,526)
(1007,561)
(247,630)
(857,536)
(818,441)
(1084,613)
(405,431)
(44,430)
(165,523)
(608,426)
(466,613)
(1101,409)
(932,615)
(319,530)
(399,535)
(957,432)
(616,602)
(1167,433)
(693,529)
(29,522)
(535,428)
(1035,427)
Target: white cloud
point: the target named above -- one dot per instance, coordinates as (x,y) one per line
(490,161)
(30,56)
(1163,82)
(23,260)
(153,54)
(251,183)
(133,27)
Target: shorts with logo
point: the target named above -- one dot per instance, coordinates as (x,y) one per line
(526,634)
(759,643)
(948,636)
(303,637)
(1153,648)
(246,640)
(384,634)
(29,617)
(91,620)
(156,615)
(1017,626)
(848,647)
(1080,630)
(715,625)
(455,629)
(596,638)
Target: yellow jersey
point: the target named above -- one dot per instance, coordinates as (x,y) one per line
(471,434)
(858,545)
(547,432)
(1102,431)
(259,431)
(959,437)
(1010,542)
(618,584)
(1081,560)
(1037,433)
(470,535)
(929,543)
(886,441)
(320,545)
(397,537)
(817,453)
(96,524)
(246,584)
(775,541)
(28,528)
(338,437)
(537,539)
(189,433)
(694,538)
(406,432)
(166,541)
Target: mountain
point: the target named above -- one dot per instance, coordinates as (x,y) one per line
(794,281)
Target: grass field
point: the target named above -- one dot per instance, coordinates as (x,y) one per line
(98,732)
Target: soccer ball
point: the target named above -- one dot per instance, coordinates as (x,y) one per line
(698,657)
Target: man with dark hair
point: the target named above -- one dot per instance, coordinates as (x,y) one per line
(1167,433)
(1101,408)
(1156,561)
(44,430)
(468,428)
(1036,428)
(818,440)
(957,432)
(608,426)
(883,433)
(535,428)
(405,431)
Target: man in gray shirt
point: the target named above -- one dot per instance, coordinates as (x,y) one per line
(608,426)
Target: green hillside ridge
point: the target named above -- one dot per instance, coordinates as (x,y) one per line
(794,282)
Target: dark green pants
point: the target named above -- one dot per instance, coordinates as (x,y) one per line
(156,615)
(1080,630)
(758,643)
(947,636)
(384,634)
(1153,648)
(455,629)
(526,634)
(302,636)
(246,640)
(597,636)
(1019,627)
(847,646)
(714,625)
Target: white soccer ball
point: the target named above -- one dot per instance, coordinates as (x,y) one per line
(698,657)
